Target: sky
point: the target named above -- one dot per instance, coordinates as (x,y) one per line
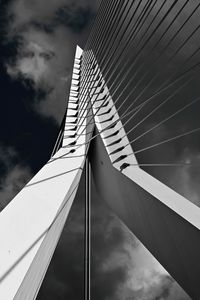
(37,46)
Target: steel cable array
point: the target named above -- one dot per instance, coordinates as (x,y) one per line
(127,40)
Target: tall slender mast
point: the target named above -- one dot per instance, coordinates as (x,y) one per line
(88,230)
(164,221)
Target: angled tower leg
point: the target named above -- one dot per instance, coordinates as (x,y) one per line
(30,226)
(87,295)
(164,221)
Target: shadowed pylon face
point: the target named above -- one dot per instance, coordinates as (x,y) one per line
(150,209)
(162,219)
(32,223)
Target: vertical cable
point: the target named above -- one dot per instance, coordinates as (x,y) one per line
(87,229)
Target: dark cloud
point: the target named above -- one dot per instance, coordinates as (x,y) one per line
(156,66)
(74,17)
(47,28)
(44,37)
(37,53)
(67,267)
(14,175)
(159,290)
(121,268)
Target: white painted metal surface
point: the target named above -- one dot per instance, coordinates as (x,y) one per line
(30,226)
(163,193)
(165,222)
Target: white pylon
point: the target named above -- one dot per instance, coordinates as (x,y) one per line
(30,226)
(167,223)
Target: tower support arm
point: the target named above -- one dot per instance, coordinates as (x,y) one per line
(172,235)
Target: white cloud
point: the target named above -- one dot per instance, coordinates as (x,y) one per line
(32,64)
(146,278)
(15,176)
(14,181)
(45,57)
(25,11)
(7,155)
